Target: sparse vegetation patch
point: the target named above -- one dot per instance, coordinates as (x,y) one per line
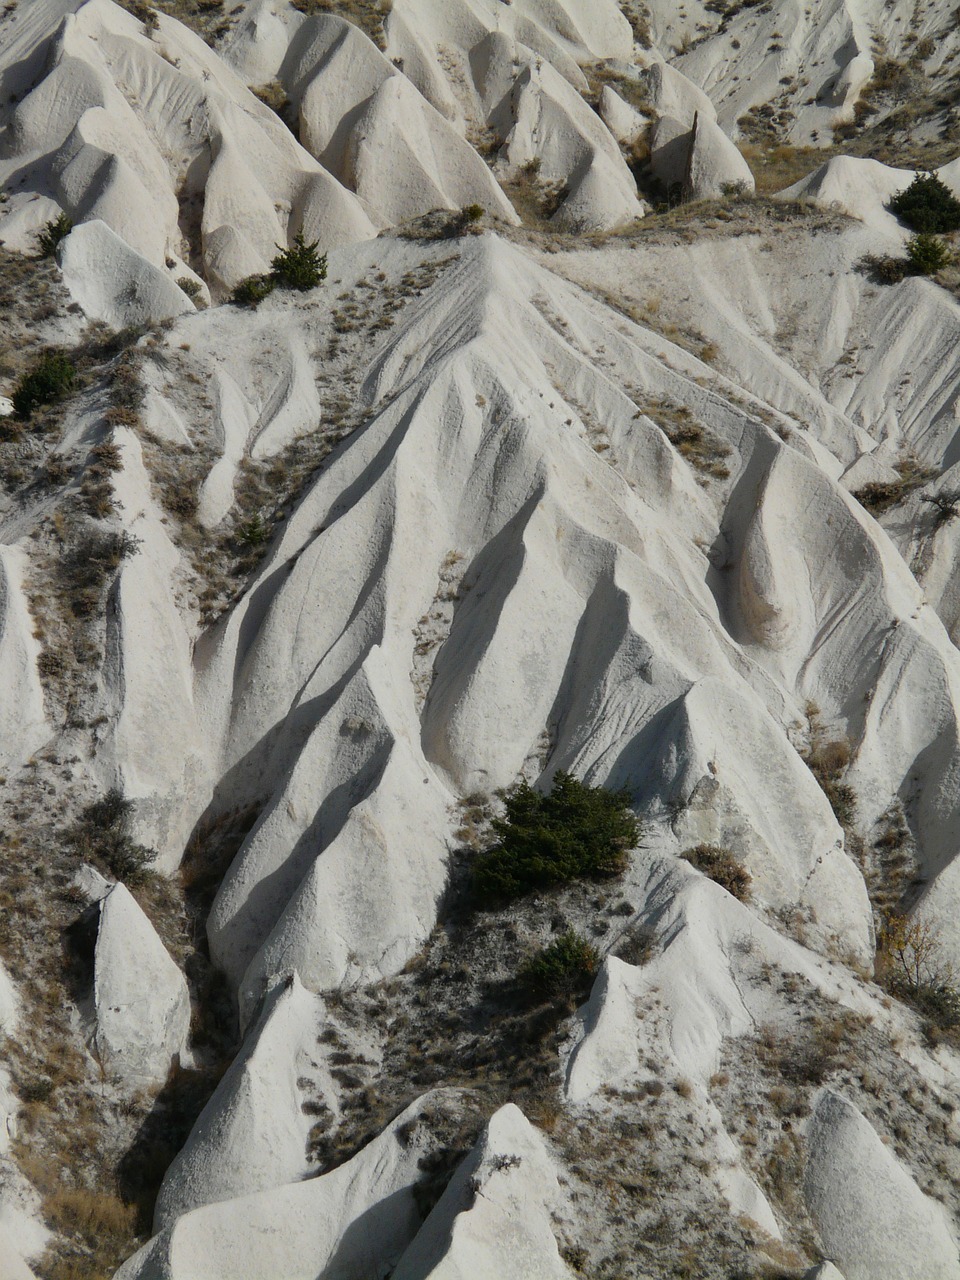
(880,495)
(721,866)
(50,379)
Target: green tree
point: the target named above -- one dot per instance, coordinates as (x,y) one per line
(50,379)
(565,968)
(301,266)
(574,833)
(927,205)
(50,235)
(927,254)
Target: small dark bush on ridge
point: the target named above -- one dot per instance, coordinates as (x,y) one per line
(49,236)
(926,254)
(564,969)
(927,205)
(722,867)
(49,380)
(574,833)
(252,290)
(101,836)
(300,267)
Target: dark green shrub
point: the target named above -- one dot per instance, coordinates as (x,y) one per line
(109,812)
(51,379)
(927,205)
(722,867)
(102,836)
(254,533)
(884,269)
(926,254)
(252,291)
(49,236)
(574,833)
(563,970)
(299,267)
(940,1002)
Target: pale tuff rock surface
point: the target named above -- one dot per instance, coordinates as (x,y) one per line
(252,1135)
(362,1211)
(700,161)
(140,999)
(552,486)
(882,1223)
(369,126)
(113,283)
(493,1219)
(23,726)
(151,134)
(714,166)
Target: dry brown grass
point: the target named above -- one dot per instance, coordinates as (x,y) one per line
(368,15)
(779,166)
(209,18)
(695,443)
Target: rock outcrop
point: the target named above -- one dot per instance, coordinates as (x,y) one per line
(140,999)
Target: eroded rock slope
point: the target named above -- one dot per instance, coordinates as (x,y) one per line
(571,464)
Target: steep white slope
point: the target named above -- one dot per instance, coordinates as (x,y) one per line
(390,127)
(808,62)
(375,132)
(562,34)
(512,563)
(115,284)
(592,603)
(362,1215)
(480,721)
(149,132)
(542,121)
(140,998)
(493,1220)
(870,1213)
(252,1134)
(153,745)
(307,687)
(23,724)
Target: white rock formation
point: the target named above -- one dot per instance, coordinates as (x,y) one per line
(305,1229)
(823,1271)
(141,1003)
(672,94)
(8,1002)
(624,121)
(543,122)
(376,133)
(252,1135)
(23,725)
(114,283)
(871,1215)
(14,1267)
(561,35)
(714,166)
(493,1220)
(153,135)
(90,884)
(589,505)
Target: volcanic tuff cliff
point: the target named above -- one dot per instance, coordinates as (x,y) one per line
(615,444)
